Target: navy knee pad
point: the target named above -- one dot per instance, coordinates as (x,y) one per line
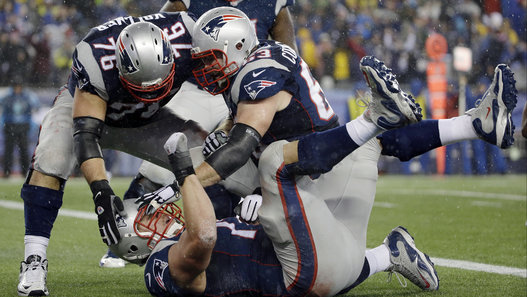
(41,207)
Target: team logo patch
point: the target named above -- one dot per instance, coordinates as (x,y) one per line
(257,86)
(100,210)
(159,268)
(126,61)
(212,28)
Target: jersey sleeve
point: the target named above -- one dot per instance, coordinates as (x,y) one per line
(158,280)
(86,71)
(259,80)
(281,4)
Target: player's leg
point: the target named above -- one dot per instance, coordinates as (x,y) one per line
(304,231)
(490,120)
(349,188)
(42,192)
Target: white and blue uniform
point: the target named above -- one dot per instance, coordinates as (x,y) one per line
(317,225)
(94,71)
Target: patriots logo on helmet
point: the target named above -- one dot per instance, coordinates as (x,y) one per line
(159,269)
(212,28)
(126,61)
(121,223)
(257,86)
(167,51)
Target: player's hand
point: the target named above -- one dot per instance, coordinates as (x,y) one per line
(107,207)
(247,209)
(156,199)
(214,141)
(179,156)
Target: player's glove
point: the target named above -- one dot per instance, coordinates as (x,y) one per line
(156,199)
(247,209)
(179,156)
(214,141)
(107,207)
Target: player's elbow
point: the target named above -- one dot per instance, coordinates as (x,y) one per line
(202,236)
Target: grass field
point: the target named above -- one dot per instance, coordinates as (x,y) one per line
(475,219)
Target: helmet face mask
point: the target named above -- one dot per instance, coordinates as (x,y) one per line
(214,71)
(140,233)
(222,40)
(166,222)
(150,93)
(145,61)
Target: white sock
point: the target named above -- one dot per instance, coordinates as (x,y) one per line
(378,258)
(35,245)
(456,129)
(361,130)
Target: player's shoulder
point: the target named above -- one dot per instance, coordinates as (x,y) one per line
(265,72)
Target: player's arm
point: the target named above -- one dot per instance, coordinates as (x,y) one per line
(190,256)
(283,29)
(173,6)
(88,122)
(253,119)
(89,111)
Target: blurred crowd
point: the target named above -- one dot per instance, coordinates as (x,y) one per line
(37,37)
(335,34)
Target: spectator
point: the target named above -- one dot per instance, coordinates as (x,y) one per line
(17,106)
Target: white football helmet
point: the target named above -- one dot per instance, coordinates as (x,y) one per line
(145,61)
(222,39)
(140,233)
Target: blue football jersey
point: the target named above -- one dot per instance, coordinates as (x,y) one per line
(243,263)
(261,12)
(94,66)
(274,67)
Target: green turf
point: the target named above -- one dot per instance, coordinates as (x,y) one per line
(446,215)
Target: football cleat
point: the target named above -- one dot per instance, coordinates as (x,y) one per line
(491,118)
(389,107)
(410,262)
(32,278)
(110,260)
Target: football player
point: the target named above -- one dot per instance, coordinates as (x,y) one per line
(124,72)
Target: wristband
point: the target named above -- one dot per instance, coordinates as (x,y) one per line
(181,166)
(101,185)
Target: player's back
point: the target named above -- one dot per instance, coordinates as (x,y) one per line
(262,13)
(275,67)
(94,66)
(243,263)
